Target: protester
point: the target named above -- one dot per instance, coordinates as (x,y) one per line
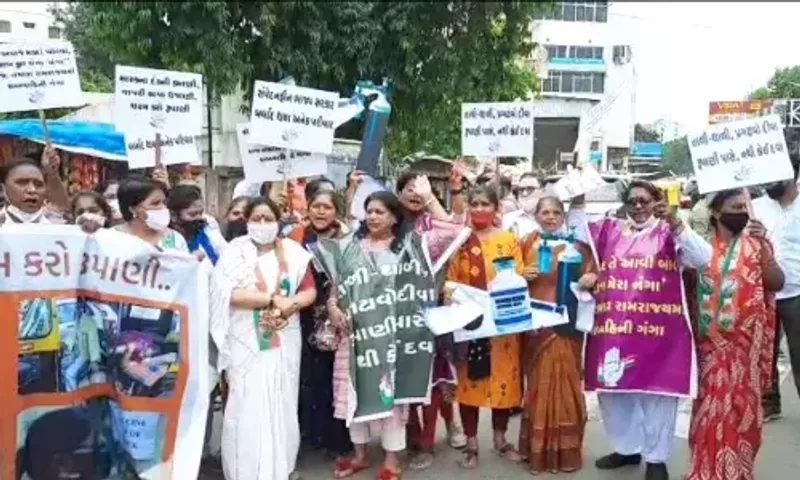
(779,211)
(522,221)
(508,202)
(185,203)
(108,190)
(143,207)
(90,211)
(734,341)
(392,259)
(641,424)
(551,435)
(259,285)
(28,185)
(235,224)
(491,376)
(318,427)
(211,222)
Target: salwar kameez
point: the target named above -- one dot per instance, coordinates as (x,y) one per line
(735,332)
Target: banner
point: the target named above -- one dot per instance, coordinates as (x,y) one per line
(721,112)
(110,342)
(640,324)
(391,348)
(503,129)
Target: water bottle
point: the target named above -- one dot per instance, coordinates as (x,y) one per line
(569,269)
(511,304)
(545,257)
(377,120)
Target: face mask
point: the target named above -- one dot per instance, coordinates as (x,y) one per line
(192,226)
(158,219)
(529,203)
(481,220)
(24,217)
(643,225)
(235,229)
(776,191)
(91,218)
(263,233)
(735,222)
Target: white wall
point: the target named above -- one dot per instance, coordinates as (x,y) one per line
(21,13)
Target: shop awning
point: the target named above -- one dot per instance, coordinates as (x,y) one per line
(86,138)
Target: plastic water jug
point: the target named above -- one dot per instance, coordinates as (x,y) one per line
(569,269)
(511,304)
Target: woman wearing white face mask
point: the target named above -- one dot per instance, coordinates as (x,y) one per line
(143,207)
(259,285)
(90,211)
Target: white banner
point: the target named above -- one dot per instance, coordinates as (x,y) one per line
(38,76)
(502,129)
(266,164)
(294,118)
(110,339)
(740,154)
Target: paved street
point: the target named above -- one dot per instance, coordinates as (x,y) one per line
(778,459)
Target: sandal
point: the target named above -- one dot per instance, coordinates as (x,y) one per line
(295,476)
(456,437)
(421,460)
(347,467)
(386,474)
(470,459)
(508,452)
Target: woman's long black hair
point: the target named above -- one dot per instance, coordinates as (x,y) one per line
(392,203)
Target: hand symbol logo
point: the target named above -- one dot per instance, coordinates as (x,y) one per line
(613,367)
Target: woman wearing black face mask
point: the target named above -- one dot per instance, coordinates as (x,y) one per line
(734,335)
(185,203)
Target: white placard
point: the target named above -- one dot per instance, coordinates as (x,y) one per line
(503,129)
(174,149)
(294,118)
(38,76)
(740,154)
(149,101)
(267,164)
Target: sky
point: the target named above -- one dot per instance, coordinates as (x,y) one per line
(689,54)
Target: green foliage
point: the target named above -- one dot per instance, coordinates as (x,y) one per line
(785,83)
(677,156)
(438,54)
(642,133)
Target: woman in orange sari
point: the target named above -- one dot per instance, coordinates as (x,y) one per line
(490,375)
(554,417)
(735,331)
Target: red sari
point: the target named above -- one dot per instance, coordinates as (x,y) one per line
(735,331)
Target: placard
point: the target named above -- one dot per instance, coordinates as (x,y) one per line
(149,101)
(174,149)
(502,129)
(740,154)
(38,76)
(294,118)
(265,164)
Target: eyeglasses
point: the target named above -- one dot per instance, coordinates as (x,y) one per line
(525,191)
(632,202)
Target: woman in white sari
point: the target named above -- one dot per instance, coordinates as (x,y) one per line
(258,286)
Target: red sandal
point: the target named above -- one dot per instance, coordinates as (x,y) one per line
(386,474)
(347,467)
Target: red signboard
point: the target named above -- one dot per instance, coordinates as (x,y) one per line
(719,112)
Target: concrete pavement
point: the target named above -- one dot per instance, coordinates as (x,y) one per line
(778,459)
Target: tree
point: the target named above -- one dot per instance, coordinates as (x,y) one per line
(437,54)
(646,134)
(677,156)
(784,84)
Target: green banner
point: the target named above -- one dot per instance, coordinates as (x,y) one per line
(391,348)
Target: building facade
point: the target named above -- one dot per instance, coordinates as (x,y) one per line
(27,21)
(587,90)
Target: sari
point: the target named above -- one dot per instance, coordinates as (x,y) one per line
(260,433)
(735,332)
(554,413)
(502,388)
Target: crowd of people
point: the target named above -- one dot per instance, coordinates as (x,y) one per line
(289,385)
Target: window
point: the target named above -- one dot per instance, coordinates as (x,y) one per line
(556,51)
(562,51)
(54,32)
(601,12)
(622,54)
(5,26)
(574,82)
(29,25)
(569,12)
(576,12)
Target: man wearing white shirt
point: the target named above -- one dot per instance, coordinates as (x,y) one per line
(779,211)
(522,222)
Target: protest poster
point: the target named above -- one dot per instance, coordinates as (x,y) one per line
(38,76)
(578,182)
(503,129)
(150,103)
(640,324)
(109,340)
(740,154)
(266,164)
(292,117)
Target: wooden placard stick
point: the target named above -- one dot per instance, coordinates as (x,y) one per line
(45,130)
(158,150)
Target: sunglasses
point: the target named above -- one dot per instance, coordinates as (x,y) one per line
(632,202)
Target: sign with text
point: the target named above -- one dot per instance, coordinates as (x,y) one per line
(38,76)
(721,112)
(266,164)
(740,154)
(502,129)
(294,118)
(174,149)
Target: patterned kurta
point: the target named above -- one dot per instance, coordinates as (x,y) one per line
(735,332)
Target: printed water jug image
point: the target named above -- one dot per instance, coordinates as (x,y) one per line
(511,304)
(569,269)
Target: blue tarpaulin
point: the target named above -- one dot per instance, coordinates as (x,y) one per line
(88,138)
